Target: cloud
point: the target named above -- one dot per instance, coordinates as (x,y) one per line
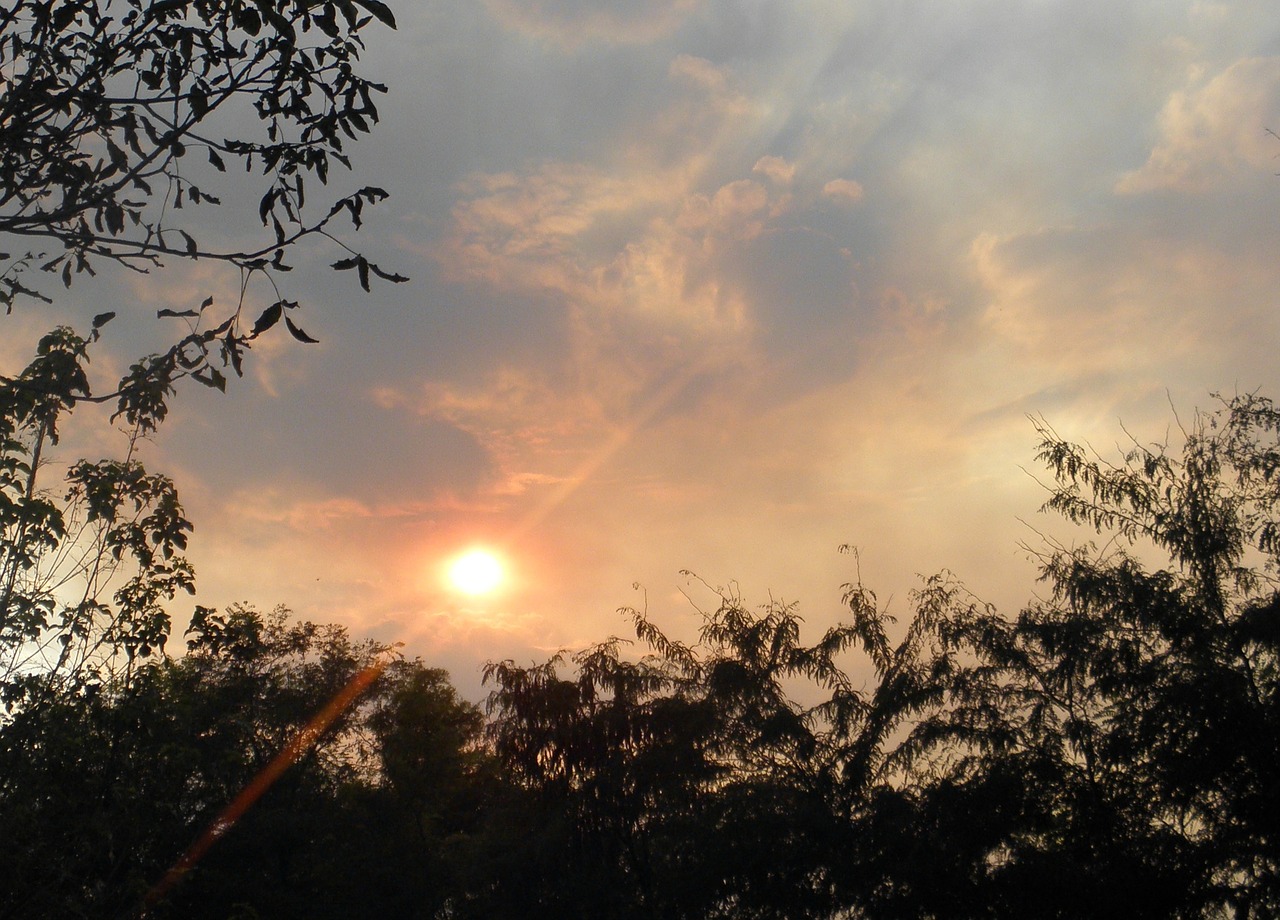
(700,72)
(845,190)
(657,275)
(1213,130)
(1085,306)
(1075,299)
(570,24)
(524,422)
(777,169)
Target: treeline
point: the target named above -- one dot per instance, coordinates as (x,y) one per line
(1111,750)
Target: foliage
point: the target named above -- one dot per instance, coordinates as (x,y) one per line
(692,782)
(1138,707)
(84,574)
(113,113)
(116,116)
(101,791)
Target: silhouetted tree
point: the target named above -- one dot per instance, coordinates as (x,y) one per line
(85,573)
(117,118)
(1131,716)
(692,782)
(1110,751)
(102,791)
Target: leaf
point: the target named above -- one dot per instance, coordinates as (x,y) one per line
(344,264)
(118,157)
(264,206)
(207,303)
(164,7)
(64,15)
(103,318)
(248,20)
(161,314)
(231,348)
(212,378)
(115,218)
(199,100)
(190,243)
(278,22)
(362,268)
(393,277)
(299,334)
(270,316)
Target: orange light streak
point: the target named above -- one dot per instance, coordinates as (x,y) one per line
(267,776)
(592,464)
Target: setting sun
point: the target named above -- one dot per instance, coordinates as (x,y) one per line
(476,572)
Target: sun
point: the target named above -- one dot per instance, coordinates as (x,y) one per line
(476,572)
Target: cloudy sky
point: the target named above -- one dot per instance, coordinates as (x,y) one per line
(720,285)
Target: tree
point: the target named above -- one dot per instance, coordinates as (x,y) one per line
(1128,724)
(691,782)
(115,117)
(101,791)
(84,576)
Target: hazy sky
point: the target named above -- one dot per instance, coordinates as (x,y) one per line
(720,286)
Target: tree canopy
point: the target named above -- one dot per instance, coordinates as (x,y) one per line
(1110,750)
(102,790)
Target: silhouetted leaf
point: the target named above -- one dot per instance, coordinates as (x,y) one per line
(212,378)
(380,11)
(270,316)
(393,277)
(298,333)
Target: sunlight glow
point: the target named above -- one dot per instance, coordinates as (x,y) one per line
(476,572)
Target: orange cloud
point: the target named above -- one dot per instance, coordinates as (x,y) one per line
(542,232)
(1212,131)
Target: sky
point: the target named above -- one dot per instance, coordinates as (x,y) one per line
(714,287)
